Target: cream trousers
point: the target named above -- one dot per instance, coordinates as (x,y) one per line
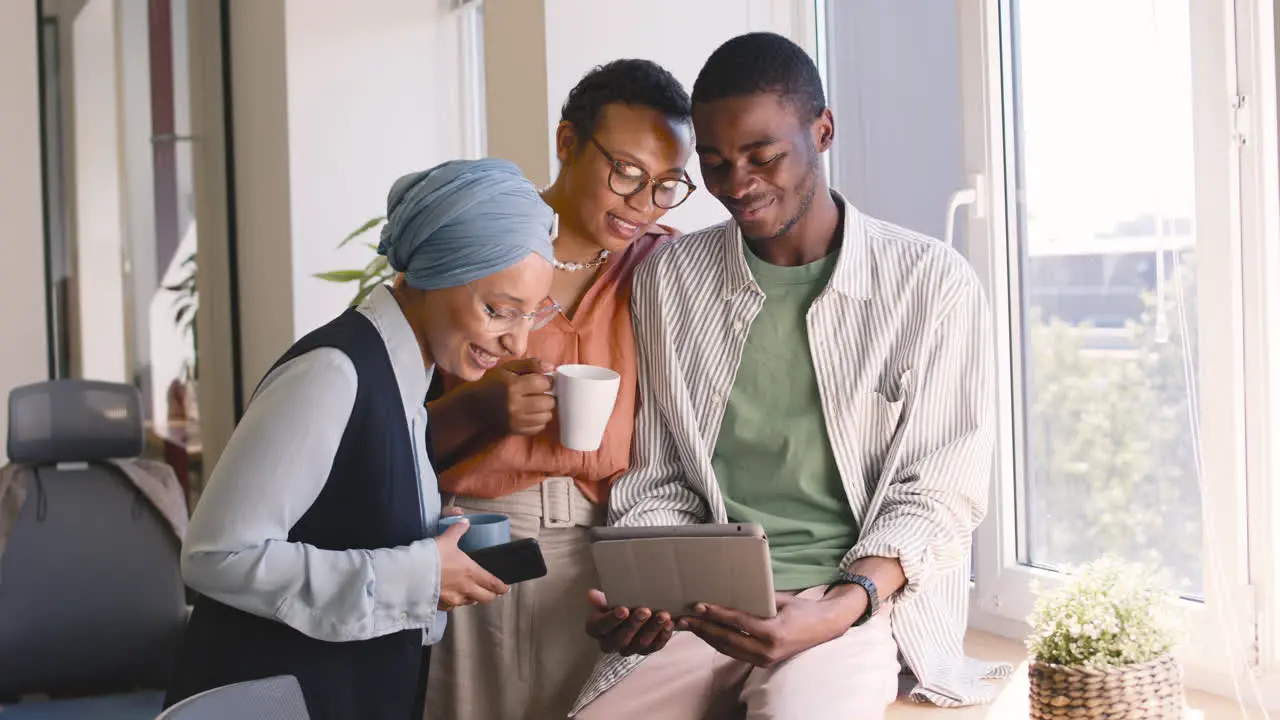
(854,677)
(526,655)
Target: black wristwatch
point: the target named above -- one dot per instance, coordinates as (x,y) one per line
(873,595)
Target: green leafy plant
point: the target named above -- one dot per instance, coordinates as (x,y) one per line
(1109,614)
(376,273)
(185,304)
(188,299)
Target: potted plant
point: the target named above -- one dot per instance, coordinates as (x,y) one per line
(1101,647)
(376,273)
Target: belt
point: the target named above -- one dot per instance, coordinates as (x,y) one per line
(556,500)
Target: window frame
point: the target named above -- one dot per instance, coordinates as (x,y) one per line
(471,68)
(1257,52)
(1229,357)
(1235,55)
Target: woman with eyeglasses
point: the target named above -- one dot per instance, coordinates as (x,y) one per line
(623,141)
(314,546)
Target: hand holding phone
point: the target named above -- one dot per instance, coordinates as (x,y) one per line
(512,562)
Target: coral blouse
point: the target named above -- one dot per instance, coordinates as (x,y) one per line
(599,334)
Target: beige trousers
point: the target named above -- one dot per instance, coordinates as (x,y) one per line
(854,677)
(526,655)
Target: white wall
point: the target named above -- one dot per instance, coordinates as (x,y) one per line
(98,189)
(373,93)
(894,85)
(333,101)
(23,345)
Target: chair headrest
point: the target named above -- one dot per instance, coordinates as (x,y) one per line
(74,421)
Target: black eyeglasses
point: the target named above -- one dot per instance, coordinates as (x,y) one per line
(627,179)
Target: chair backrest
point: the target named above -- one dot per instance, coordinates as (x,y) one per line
(91,593)
(274,698)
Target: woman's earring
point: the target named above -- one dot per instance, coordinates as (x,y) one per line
(555,227)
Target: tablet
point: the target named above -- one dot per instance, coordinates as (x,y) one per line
(677,531)
(673,568)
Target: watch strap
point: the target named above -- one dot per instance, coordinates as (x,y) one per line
(866,583)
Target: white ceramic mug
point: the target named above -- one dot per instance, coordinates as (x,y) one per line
(585,396)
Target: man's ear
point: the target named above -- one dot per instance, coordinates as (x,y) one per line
(824,130)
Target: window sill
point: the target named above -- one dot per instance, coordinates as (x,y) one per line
(1011,704)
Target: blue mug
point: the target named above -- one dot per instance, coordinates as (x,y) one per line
(487,530)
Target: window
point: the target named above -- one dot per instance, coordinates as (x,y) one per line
(1105,240)
(123,233)
(1103,142)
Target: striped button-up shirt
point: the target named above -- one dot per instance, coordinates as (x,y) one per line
(901,342)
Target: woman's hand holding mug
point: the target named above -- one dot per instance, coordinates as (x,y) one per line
(462,581)
(515,396)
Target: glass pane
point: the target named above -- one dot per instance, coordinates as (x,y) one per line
(121,208)
(1103,161)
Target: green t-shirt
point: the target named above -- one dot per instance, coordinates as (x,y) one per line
(773,458)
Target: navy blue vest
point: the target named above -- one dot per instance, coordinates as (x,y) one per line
(369,501)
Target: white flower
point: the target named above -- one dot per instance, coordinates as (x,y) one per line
(1109,614)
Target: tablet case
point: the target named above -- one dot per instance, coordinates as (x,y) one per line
(622,532)
(675,573)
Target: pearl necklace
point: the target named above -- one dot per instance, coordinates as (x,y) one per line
(575,267)
(570,266)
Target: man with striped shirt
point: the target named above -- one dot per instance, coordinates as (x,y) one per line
(824,374)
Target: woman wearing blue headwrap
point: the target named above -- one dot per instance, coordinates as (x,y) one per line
(314,546)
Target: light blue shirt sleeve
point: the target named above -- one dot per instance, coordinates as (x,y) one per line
(275,465)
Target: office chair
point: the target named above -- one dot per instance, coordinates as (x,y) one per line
(274,698)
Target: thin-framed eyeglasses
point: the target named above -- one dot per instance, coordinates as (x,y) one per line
(505,319)
(627,179)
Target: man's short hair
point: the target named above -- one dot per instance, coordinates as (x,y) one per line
(635,82)
(762,62)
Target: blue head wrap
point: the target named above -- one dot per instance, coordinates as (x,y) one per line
(463,220)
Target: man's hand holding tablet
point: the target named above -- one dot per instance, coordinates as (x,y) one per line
(627,631)
(801,623)
(679,570)
(652,576)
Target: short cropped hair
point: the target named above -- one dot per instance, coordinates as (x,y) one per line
(635,82)
(762,62)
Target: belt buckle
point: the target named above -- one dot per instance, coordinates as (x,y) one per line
(561,488)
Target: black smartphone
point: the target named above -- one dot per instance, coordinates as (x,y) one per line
(512,562)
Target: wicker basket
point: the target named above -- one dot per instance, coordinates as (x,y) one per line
(1149,691)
